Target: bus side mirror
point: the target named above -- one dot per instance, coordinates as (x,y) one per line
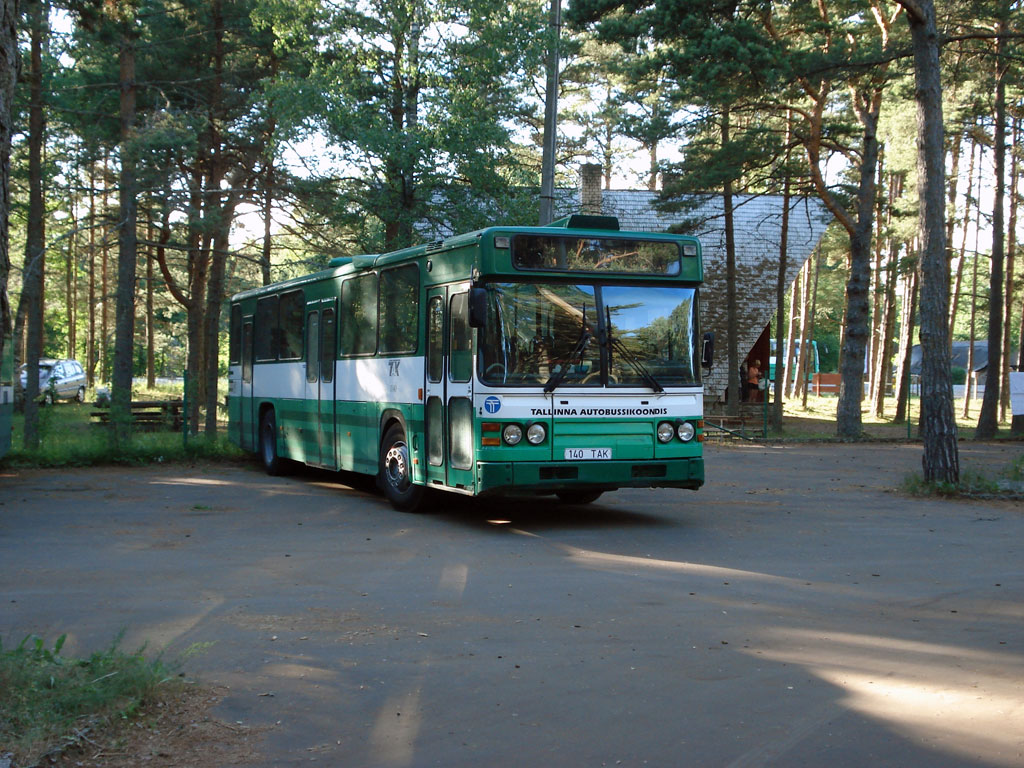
(707,351)
(477,307)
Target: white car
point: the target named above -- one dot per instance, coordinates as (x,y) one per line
(58,380)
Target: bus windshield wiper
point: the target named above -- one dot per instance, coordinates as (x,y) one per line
(577,354)
(629,357)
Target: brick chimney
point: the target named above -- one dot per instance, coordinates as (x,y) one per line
(590,189)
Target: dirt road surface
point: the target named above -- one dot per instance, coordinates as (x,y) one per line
(795,611)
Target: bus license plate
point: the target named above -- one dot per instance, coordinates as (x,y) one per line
(587,454)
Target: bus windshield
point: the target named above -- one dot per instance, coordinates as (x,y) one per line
(553,334)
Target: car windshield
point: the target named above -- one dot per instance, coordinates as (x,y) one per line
(555,335)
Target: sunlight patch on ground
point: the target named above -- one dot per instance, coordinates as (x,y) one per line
(395,731)
(205,481)
(314,675)
(453,579)
(612,561)
(962,701)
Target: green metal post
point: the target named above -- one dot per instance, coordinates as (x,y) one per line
(764,410)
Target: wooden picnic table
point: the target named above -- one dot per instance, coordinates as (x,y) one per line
(147,414)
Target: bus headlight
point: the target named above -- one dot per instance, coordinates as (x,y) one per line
(535,434)
(512,434)
(665,432)
(685,431)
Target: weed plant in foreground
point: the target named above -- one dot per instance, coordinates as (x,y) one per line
(49,702)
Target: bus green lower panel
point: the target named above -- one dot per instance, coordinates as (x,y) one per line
(509,477)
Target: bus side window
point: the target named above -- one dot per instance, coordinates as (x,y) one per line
(435,338)
(399,309)
(330,343)
(359,315)
(266,331)
(292,308)
(235,336)
(247,352)
(460,366)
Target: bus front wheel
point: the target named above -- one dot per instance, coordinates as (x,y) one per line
(272,463)
(396,472)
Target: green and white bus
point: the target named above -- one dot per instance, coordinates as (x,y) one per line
(558,360)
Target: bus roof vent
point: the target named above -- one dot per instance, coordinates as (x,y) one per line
(339,261)
(583,221)
(437,245)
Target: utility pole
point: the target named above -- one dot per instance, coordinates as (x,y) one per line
(547,169)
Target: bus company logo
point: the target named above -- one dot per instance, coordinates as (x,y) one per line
(492,404)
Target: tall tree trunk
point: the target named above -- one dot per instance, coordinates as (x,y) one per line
(214,298)
(958,276)
(941,457)
(876,276)
(988,419)
(268,203)
(851,388)
(124,339)
(547,171)
(807,356)
(70,282)
(35,237)
(800,389)
(780,289)
(652,156)
(1011,254)
(971,385)
(150,331)
(790,352)
(105,285)
(906,345)
(90,347)
(8,80)
(884,358)
(733,395)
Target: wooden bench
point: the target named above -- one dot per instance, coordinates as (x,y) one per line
(149,415)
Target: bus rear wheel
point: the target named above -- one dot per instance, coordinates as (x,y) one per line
(578,497)
(396,472)
(272,463)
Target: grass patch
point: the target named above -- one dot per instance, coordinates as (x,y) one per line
(49,702)
(818,420)
(68,439)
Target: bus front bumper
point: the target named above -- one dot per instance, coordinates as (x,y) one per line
(495,478)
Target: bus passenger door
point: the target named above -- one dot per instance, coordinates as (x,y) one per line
(434,390)
(328,353)
(247,419)
(448,405)
(461,453)
(311,409)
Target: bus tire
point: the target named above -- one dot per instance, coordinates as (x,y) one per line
(272,463)
(396,472)
(578,497)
